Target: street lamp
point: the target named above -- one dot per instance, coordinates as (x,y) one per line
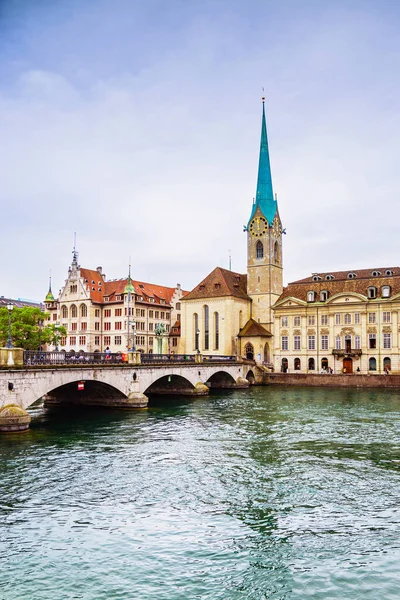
(40,324)
(133,335)
(56,327)
(9,340)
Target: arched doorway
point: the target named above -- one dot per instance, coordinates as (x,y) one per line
(324,364)
(372,364)
(347,365)
(266,353)
(387,364)
(284,365)
(297,364)
(311,364)
(249,351)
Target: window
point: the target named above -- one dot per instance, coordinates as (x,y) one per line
(138,312)
(140,326)
(386,291)
(296,321)
(74,327)
(151,314)
(324,342)
(151,325)
(317,278)
(143,313)
(371,317)
(151,341)
(285,342)
(106,299)
(387,340)
(356,318)
(196,331)
(324,319)
(107,340)
(83,310)
(337,319)
(372,340)
(174,342)
(386,316)
(372,364)
(338,342)
(97,340)
(178,306)
(389,272)
(140,340)
(63,340)
(329,277)
(54,317)
(216,330)
(178,316)
(162,315)
(73,289)
(72,340)
(311,320)
(259,250)
(107,326)
(107,312)
(351,275)
(118,325)
(97,326)
(82,340)
(376,273)
(156,314)
(74,311)
(97,313)
(284,321)
(118,312)
(296,342)
(117,340)
(323,296)
(310,296)
(84,326)
(118,298)
(371,292)
(206,328)
(347,319)
(311,364)
(311,342)
(64,312)
(357,342)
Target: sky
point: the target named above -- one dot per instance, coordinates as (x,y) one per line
(136,124)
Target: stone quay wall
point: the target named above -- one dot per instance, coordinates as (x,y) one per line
(317,380)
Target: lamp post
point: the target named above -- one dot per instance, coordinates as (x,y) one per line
(40,324)
(56,326)
(133,335)
(9,340)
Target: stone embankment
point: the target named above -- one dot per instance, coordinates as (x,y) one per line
(316,380)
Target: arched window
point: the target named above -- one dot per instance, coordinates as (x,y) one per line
(347,319)
(386,291)
(372,292)
(240,319)
(216,330)
(206,328)
(297,364)
(64,312)
(249,351)
(372,364)
(387,364)
(259,250)
(311,364)
(324,364)
(74,311)
(83,310)
(310,296)
(277,253)
(284,365)
(196,331)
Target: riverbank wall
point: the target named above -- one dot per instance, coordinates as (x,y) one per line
(316,380)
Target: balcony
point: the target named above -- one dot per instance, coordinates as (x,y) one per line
(347,352)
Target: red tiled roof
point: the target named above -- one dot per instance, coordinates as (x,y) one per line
(220,282)
(254,329)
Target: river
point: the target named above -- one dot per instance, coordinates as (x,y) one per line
(265,493)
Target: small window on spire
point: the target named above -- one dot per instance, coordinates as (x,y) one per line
(259,250)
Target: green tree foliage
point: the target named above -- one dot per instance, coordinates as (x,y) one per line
(25,330)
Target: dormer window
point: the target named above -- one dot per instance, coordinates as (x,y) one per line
(316,278)
(385,291)
(107,299)
(323,296)
(351,275)
(93,282)
(329,277)
(372,292)
(375,273)
(118,298)
(310,296)
(99,289)
(217,286)
(388,272)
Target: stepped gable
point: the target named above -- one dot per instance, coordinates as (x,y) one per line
(220,282)
(254,329)
(335,282)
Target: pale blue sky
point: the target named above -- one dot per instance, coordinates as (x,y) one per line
(137,123)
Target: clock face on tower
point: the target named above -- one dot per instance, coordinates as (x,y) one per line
(258,226)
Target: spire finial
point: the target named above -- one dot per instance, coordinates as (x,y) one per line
(49,296)
(74,252)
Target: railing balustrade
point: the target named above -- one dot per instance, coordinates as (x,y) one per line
(169,358)
(36,358)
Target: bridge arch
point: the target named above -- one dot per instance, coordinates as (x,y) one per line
(169,385)
(220,379)
(85,392)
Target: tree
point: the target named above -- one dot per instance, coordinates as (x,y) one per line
(25,330)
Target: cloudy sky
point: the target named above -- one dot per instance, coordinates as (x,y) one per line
(136,123)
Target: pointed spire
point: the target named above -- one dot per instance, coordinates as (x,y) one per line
(129,289)
(74,253)
(264,199)
(49,296)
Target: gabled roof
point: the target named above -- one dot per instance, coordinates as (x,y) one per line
(254,329)
(218,283)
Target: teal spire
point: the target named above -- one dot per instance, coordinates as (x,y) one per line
(264,199)
(129,289)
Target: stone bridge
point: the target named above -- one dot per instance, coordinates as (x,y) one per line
(123,386)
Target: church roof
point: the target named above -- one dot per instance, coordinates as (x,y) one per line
(335,282)
(264,199)
(220,282)
(254,329)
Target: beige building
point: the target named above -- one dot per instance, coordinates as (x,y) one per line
(117,314)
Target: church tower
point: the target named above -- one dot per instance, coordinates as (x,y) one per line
(264,241)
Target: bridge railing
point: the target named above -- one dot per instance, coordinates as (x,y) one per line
(167,358)
(218,358)
(36,358)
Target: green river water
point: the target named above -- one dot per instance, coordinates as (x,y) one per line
(264,493)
